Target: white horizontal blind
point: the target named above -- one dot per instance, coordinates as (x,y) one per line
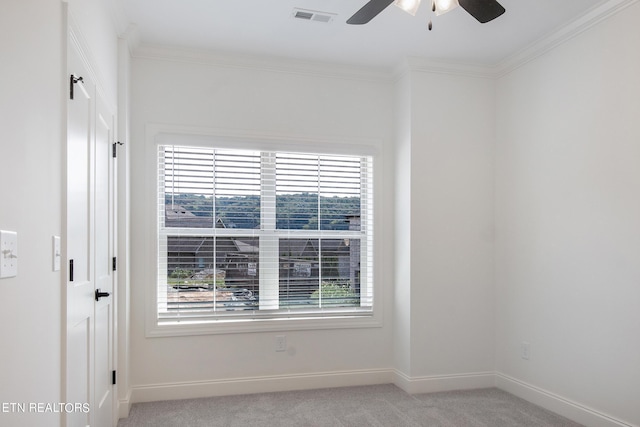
(188,188)
(247,234)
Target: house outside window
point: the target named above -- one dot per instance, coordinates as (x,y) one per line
(263,235)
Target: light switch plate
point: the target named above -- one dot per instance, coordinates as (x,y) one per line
(56,253)
(8,254)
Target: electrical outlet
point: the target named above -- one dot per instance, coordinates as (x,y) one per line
(281,343)
(525,349)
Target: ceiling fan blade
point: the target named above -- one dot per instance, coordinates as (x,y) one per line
(483,10)
(369,11)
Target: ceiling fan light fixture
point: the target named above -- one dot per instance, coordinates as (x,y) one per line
(409,6)
(444,6)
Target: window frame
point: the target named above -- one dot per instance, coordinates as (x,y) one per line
(162,135)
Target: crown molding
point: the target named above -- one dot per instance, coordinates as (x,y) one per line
(265,63)
(541,46)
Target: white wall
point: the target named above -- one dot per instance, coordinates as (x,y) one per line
(568,219)
(268,102)
(31,46)
(450,197)
(403,186)
(447,234)
(452,223)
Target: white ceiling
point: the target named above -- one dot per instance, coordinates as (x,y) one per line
(266,28)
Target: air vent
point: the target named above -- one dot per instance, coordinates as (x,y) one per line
(313,15)
(303,15)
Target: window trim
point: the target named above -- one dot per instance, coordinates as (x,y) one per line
(178,135)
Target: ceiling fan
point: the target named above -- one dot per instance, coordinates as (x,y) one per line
(483,10)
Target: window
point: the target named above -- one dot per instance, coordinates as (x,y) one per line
(257,235)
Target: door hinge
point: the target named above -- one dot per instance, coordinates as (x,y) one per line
(115,148)
(113,377)
(71,270)
(114,263)
(72,81)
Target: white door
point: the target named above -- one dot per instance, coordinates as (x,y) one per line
(104,277)
(90,199)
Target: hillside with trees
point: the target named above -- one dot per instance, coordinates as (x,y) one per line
(293,211)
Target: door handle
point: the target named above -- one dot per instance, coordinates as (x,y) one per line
(101,294)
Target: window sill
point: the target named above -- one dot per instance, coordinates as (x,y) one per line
(235,326)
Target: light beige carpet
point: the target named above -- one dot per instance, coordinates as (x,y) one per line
(379,405)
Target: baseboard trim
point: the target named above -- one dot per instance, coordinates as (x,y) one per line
(267,384)
(412,385)
(233,386)
(436,383)
(124,406)
(558,404)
